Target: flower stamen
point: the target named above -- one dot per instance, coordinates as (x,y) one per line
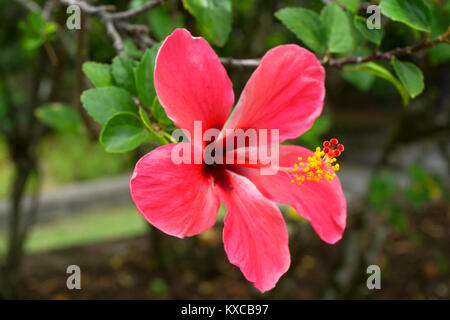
(321,166)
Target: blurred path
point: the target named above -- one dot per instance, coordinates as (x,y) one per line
(114,191)
(78,197)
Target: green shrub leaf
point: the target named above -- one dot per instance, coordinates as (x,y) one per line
(351,5)
(123,73)
(123,132)
(153,134)
(363,80)
(337,29)
(144,77)
(383,73)
(213,16)
(306,25)
(414,13)
(102,103)
(160,116)
(372,35)
(440,54)
(162,23)
(60,117)
(98,73)
(410,75)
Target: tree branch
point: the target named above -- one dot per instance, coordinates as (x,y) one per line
(114,34)
(110,20)
(243,63)
(339,63)
(140,33)
(134,12)
(378,55)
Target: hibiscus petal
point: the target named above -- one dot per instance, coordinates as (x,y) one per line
(322,203)
(285,92)
(255,234)
(178,199)
(191,83)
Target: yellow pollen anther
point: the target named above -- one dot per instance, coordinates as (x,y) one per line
(318,167)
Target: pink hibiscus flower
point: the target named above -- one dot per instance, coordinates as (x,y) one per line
(285,92)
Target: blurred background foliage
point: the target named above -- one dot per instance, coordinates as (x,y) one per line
(393,115)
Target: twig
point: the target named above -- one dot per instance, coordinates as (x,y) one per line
(339,63)
(244,63)
(132,28)
(117,39)
(82,56)
(141,34)
(134,12)
(112,25)
(51,53)
(47,9)
(138,32)
(30,5)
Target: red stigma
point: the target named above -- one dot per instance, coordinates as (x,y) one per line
(332,148)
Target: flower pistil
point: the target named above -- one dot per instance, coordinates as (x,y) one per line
(321,166)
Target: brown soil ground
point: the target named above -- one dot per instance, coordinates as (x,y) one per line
(412,267)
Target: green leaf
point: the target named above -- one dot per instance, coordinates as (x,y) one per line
(102,103)
(414,13)
(306,25)
(50,28)
(383,73)
(36,22)
(351,5)
(160,115)
(410,75)
(33,24)
(398,218)
(123,73)
(440,19)
(382,187)
(214,17)
(373,35)
(98,73)
(123,132)
(60,117)
(337,29)
(162,23)
(131,50)
(440,53)
(144,77)
(146,121)
(363,80)
(32,43)
(36,31)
